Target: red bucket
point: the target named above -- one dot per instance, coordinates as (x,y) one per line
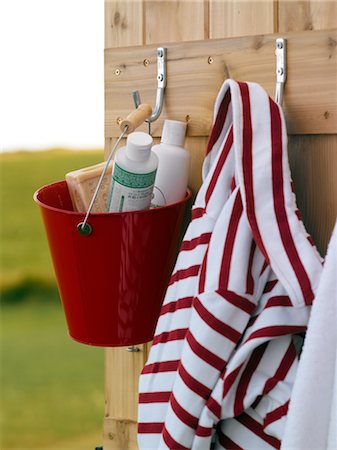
(112,282)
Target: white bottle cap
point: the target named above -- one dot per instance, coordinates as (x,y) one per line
(174,133)
(138,146)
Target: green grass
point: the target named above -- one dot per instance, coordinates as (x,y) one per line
(52,389)
(24,251)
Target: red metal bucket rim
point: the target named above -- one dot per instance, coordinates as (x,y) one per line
(80,214)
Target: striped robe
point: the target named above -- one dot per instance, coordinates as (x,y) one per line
(225,351)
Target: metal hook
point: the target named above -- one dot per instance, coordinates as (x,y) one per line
(281,66)
(161,84)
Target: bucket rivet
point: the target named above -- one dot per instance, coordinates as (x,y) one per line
(84,228)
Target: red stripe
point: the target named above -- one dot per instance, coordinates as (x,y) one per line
(265,265)
(310,239)
(203,431)
(214,407)
(202,277)
(275,415)
(185,273)
(219,121)
(182,303)
(227,443)
(246,377)
(233,184)
(279,205)
(174,335)
(249,278)
(247,165)
(276,330)
(193,243)
(193,384)
(182,414)
(219,166)
(226,262)
(240,302)
(207,356)
(152,427)
(278,300)
(165,366)
(257,429)
(230,380)
(170,442)
(154,397)
(197,213)
(270,286)
(216,324)
(282,370)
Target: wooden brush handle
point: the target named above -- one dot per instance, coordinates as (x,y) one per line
(136,117)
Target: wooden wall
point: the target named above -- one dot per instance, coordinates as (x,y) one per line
(313,158)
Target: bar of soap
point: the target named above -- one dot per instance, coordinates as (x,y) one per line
(82,184)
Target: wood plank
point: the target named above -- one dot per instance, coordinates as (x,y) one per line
(174,20)
(197,149)
(123,23)
(307,15)
(242,18)
(313,162)
(122,372)
(310,100)
(119,434)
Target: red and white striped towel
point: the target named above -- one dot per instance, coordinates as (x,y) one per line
(223,360)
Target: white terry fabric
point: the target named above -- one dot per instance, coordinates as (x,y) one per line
(223,360)
(312,417)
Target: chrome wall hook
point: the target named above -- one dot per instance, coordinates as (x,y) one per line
(281,69)
(161,85)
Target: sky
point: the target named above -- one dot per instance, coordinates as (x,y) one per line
(51,74)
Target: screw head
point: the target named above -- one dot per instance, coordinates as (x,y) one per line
(160,77)
(84,228)
(160,53)
(146,62)
(117,72)
(280,71)
(210,60)
(279,45)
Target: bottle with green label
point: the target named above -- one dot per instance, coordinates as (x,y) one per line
(133,174)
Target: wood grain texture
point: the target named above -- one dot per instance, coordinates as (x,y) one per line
(307,15)
(310,99)
(313,162)
(122,370)
(123,23)
(120,434)
(197,149)
(175,20)
(242,18)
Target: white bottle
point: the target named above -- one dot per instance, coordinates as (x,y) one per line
(133,174)
(173,167)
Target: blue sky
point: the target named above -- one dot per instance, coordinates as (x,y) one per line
(51,74)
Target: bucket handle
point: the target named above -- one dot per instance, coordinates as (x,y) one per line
(84,227)
(133,120)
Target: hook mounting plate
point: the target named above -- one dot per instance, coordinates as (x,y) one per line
(281,68)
